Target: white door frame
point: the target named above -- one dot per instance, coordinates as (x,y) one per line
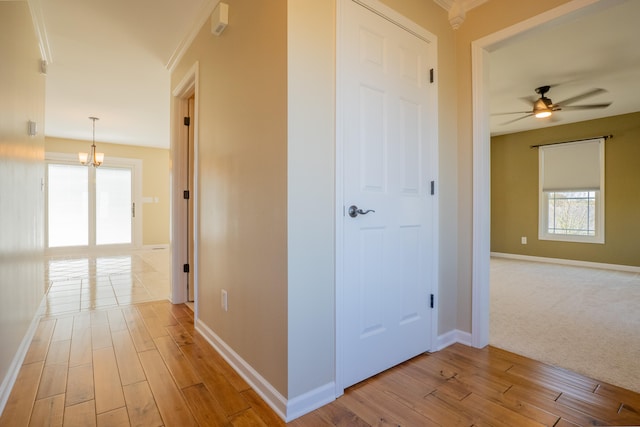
(188,86)
(481,245)
(381,9)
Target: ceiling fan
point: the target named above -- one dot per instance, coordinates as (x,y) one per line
(544,107)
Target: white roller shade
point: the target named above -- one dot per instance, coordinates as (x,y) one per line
(574,166)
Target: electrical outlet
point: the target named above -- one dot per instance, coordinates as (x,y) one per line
(223,300)
(523,240)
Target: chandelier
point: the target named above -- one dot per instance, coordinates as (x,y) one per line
(92,158)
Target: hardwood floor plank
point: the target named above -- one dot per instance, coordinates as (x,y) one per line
(180,311)
(162,310)
(40,343)
(553,407)
(220,364)
(336,414)
(187,324)
(230,398)
(18,409)
(375,407)
(260,407)
(53,381)
(80,415)
(48,412)
(107,385)
(116,418)
(524,408)
(171,404)
(247,418)
(58,353)
(553,377)
(82,320)
(599,406)
(141,338)
(628,397)
(99,317)
(80,351)
(496,414)
(180,368)
(128,363)
(141,406)
(179,334)
(417,396)
(116,320)
(445,414)
(152,321)
(564,423)
(79,385)
(63,329)
(316,420)
(100,336)
(206,410)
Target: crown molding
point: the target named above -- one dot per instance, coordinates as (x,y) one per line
(203,15)
(458,9)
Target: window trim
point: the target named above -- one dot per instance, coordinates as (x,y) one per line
(543,207)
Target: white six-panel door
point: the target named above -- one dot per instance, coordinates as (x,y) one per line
(387,136)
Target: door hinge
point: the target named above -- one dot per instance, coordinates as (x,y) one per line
(433,188)
(187,121)
(431,77)
(431,301)
(133,210)
(185,268)
(185,194)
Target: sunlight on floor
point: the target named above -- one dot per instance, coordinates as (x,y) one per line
(79,283)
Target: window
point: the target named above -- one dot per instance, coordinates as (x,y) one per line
(90,207)
(572,192)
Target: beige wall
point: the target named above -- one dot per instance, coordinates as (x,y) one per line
(514,189)
(489,18)
(155,181)
(21,171)
(311,197)
(242,199)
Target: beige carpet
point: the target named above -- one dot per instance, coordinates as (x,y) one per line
(586,320)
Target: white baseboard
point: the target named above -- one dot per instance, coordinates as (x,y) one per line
(310,401)
(452,337)
(286,409)
(14,368)
(588,264)
(152,247)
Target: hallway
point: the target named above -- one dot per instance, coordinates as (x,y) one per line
(111,350)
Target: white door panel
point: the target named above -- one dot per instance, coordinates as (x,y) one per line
(388,143)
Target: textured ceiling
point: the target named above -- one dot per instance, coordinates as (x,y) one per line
(109,59)
(596,49)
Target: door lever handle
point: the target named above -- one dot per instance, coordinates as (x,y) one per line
(354,211)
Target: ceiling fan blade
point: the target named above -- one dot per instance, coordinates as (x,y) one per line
(577,98)
(512,112)
(529,100)
(515,120)
(585,107)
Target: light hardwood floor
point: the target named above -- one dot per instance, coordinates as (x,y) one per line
(143,364)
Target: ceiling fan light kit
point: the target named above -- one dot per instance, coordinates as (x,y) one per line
(543,107)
